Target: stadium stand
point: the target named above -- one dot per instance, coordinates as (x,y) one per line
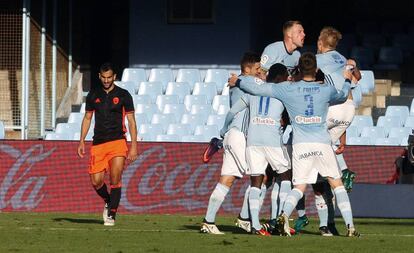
(2,130)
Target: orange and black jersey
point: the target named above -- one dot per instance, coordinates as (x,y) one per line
(110,109)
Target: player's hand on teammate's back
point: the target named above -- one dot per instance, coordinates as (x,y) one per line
(233,80)
(81,149)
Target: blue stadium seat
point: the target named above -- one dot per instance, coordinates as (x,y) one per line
(398,110)
(389,121)
(134,74)
(353,131)
(89,136)
(146,137)
(190,100)
(162,75)
(179,129)
(207,89)
(223,109)
(68,129)
(142,99)
(177,109)
(181,89)
(162,100)
(163,119)
(201,109)
(359,141)
(207,131)
(220,100)
(218,76)
(153,129)
(193,138)
(367,81)
(409,122)
(193,120)
(76,117)
(387,142)
(399,132)
(357,95)
(141,118)
(191,76)
(148,109)
(153,89)
(215,119)
(167,138)
(373,132)
(362,121)
(412,108)
(131,87)
(2,130)
(82,108)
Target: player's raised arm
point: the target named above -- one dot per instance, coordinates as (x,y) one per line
(239,106)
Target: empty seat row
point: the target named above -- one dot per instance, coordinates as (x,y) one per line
(165,75)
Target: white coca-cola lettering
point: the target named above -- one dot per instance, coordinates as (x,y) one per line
(198,182)
(33,155)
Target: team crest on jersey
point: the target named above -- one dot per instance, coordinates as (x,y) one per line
(258,81)
(264,59)
(115,100)
(97,101)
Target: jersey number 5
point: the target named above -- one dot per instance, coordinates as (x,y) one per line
(309,100)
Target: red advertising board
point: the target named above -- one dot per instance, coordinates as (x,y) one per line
(48,176)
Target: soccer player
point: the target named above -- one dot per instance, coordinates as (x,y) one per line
(339,117)
(264,143)
(285,51)
(110,104)
(307,103)
(234,158)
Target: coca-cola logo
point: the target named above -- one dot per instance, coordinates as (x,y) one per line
(27,189)
(179,187)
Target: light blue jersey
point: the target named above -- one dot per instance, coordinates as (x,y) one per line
(332,64)
(241,118)
(264,125)
(277,53)
(306,102)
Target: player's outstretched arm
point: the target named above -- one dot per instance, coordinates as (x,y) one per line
(248,84)
(240,104)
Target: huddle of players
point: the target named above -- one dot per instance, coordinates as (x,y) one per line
(252,136)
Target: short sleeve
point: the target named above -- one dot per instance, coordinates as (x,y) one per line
(128,103)
(89,106)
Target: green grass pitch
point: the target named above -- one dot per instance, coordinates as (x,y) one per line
(63,232)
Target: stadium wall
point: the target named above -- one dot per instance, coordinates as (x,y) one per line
(153,41)
(48,176)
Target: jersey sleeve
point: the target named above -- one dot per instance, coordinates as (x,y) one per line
(337,97)
(129,103)
(239,106)
(89,105)
(268,57)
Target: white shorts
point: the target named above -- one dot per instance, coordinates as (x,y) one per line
(339,118)
(234,158)
(258,157)
(309,159)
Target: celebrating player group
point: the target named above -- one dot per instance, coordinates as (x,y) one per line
(311,92)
